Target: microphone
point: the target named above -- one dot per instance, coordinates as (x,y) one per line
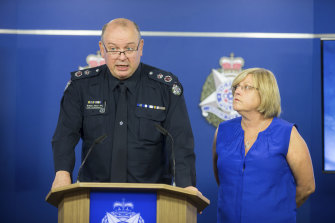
(96,141)
(166,133)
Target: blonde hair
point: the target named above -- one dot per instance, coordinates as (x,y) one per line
(265,81)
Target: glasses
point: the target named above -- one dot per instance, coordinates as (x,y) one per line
(129,52)
(245,88)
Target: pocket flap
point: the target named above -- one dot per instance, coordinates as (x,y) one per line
(152,114)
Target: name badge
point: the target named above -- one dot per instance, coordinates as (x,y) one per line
(97,105)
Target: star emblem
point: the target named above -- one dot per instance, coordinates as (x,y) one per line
(217,99)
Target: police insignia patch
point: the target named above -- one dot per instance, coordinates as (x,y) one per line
(90,72)
(160,76)
(87,72)
(216,96)
(168,78)
(78,73)
(176,89)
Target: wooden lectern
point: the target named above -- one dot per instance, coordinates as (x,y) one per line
(76,202)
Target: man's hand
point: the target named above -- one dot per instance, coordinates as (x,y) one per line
(192,189)
(62,178)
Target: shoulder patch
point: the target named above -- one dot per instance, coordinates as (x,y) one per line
(163,77)
(177,89)
(168,79)
(90,72)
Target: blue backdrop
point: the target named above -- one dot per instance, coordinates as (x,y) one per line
(34,70)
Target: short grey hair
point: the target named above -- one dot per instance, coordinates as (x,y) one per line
(122,22)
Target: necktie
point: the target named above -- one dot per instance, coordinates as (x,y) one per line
(119,154)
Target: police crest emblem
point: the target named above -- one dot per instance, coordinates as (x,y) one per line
(216,96)
(93,60)
(122,212)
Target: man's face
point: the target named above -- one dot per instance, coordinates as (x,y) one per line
(120,38)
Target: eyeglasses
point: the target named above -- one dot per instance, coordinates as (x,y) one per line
(129,52)
(245,88)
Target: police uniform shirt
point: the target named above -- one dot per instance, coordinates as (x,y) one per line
(88,111)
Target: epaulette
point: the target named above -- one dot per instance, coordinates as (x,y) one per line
(90,72)
(168,79)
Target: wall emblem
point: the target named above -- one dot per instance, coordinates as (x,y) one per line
(216,96)
(122,212)
(93,61)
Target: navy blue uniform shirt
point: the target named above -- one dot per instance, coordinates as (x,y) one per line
(88,111)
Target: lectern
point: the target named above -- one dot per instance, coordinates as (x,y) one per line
(126,202)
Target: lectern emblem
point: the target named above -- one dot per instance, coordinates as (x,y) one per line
(216,96)
(122,213)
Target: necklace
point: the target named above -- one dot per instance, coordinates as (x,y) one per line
(248,142)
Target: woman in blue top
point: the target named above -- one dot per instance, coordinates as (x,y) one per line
(261,163)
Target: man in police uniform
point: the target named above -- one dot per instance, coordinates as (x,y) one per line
(89,109)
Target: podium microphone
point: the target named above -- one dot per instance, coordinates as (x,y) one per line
(96,141)
(166,133)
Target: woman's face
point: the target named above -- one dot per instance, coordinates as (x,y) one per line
(246,96)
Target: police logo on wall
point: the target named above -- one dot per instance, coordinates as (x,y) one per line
(122,212)
(216,96)
(93,61)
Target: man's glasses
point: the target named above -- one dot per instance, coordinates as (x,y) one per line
(245,88)
(129,52)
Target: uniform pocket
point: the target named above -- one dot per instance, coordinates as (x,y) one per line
(94,123)
(148,118)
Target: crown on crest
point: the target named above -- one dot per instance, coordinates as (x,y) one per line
(232,64)
(123,206)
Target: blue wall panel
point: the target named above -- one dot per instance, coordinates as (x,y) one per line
(34,70)
(174,15)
